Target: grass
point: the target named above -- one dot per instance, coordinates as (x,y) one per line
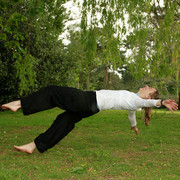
(100,147)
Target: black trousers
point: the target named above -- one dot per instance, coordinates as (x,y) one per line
(77,104)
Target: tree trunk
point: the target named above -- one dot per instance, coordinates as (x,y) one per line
(106,77)
(178,93)
(179,102)
(177,79)
(88,81)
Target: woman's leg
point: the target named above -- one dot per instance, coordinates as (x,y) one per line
(79,104)
(54,96)
(67,98)
(46,98)
(63,124)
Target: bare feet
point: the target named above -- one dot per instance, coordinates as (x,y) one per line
(28,148)
(13,106)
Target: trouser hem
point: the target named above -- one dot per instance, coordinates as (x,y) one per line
(41,147)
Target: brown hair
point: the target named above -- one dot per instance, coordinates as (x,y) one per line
(148,110)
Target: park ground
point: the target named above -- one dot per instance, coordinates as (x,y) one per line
(100,147)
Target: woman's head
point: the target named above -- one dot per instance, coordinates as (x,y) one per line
(154,95)
(148,93)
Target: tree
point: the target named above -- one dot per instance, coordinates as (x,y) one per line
(93,35)
(155,43)
(22,24)
(154,38)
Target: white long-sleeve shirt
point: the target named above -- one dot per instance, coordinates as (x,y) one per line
(123,100)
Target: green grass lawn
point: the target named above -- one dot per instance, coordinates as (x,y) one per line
(100,147)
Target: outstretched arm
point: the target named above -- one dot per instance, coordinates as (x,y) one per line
(169,103)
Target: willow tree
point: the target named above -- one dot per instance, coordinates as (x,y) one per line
(155,42)
(100,31)
(154,38)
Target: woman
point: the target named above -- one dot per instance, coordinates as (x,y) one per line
(79,104)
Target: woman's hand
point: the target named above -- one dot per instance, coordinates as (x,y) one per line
(135,129)
(170,104)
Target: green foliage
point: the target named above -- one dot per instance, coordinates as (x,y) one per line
(22,25)
(154,39)
(158,46)
(103,36)
(25,72)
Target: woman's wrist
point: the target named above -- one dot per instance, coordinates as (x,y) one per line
(162,102)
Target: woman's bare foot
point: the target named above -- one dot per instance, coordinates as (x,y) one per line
(28,148)
(13,106)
